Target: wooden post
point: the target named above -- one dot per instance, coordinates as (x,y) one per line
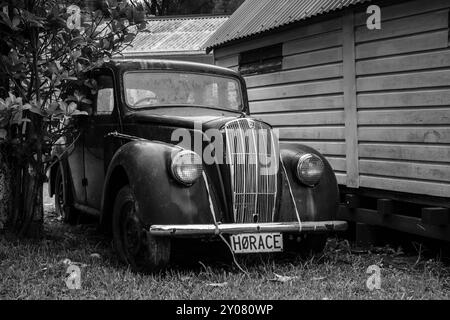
(350,107)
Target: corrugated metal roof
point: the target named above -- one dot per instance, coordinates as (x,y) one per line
(178,34)
(257,16)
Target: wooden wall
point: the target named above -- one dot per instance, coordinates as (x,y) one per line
(376,103)
(403,98)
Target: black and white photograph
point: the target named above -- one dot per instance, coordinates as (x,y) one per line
(225,155)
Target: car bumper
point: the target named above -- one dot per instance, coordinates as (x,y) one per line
(238,228)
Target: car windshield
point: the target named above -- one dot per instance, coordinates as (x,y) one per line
(149,89)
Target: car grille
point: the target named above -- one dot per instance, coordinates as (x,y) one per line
(252,155)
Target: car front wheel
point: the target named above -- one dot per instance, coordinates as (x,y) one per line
(143,252)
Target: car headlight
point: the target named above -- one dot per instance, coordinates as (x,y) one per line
(309,169)
(186,167)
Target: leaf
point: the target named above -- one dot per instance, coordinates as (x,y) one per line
(79,113)
(71,108)
(106,44)
(16,22)
(280,278)
(5,20)
(53,107)
(223,284)
(17,118)
(129,37)
(318,278)
(37,110)
(76,54)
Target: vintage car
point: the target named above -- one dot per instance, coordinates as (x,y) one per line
(170,150)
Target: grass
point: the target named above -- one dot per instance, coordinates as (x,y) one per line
(37,270)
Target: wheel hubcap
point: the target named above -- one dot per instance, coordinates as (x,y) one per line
(131,229)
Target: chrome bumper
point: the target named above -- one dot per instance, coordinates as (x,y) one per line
(236,228)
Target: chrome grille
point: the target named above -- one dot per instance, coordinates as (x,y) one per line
(252,154)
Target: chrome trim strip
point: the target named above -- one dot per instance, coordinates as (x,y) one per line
(211,204)
(237,228)
(276,175)
(292,194)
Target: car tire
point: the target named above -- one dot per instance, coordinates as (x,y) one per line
(135,247)
(63,206)
(313,243)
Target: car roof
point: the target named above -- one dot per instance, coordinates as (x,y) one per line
(174,65)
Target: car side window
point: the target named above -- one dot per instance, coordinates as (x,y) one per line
(105,95)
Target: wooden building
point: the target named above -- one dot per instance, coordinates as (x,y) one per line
(376,103)
(175,38)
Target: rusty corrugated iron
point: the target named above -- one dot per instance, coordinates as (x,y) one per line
(258,16)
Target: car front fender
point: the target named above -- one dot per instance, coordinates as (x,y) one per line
(316,203)
(145,167)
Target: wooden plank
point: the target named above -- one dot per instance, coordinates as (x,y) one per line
(341,178)
(313,58)
(308,103)
(404,26)
(404,117)
(405,152)
(410,62)
(385,206)
(405,197)
(350,107)
(405,134)
(404,81)
(419,98)
(303,118)
(425,41)
(404,169)
(296,32)
(313,133)
(321,41)
(228,61)
(402,185)
(395,221)
(297,75)
(296,90)
(338,164)
(326,148)
(436,216)
(403,9)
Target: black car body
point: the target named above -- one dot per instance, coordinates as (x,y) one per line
(121,166)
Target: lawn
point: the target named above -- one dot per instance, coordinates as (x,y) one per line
(37,270)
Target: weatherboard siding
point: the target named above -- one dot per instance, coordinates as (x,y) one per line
(403,98)
(375,103)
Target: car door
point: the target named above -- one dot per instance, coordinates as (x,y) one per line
(75,159)
(104,119)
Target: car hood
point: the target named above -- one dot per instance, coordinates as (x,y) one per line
(183,117)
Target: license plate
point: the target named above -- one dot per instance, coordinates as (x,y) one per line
(256,242)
